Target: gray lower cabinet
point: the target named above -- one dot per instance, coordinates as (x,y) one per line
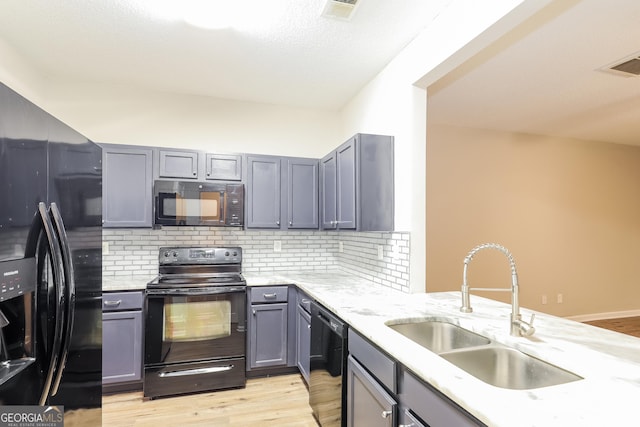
(368,403)
(127,186)
(421,402)
(381,392)
(122,332)
(303,335)
(282,192)
(357,185)
(371,385)
(268,318)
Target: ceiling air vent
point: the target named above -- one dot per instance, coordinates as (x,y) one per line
(631,66)
(628,67)
(340,9)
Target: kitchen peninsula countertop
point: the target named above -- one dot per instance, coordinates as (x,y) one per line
(608,361)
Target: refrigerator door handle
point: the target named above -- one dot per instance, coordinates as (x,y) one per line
(58,278)
(70,293)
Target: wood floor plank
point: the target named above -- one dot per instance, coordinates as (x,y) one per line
(626,325)
(273,401)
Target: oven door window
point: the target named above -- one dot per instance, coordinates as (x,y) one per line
(185,328)
(196,319)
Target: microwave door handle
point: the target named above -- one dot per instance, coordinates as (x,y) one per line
(70,293)
(58,281)
(223,201)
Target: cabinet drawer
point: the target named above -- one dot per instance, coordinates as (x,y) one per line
(117,301)
(434,408)
(376,362)
(267,294)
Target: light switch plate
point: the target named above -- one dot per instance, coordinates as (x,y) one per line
(277,246)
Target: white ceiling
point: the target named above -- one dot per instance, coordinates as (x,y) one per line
(542,78)
(279,52)
(546,78)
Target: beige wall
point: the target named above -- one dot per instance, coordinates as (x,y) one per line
(568,210)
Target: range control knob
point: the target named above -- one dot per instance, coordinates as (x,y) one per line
(226,253)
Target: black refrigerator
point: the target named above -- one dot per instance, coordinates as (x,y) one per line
(50,263)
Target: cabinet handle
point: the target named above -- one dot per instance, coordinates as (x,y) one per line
(112,303)
(277,222)
(254,312)
(290,223)
(386,414)
(269,296)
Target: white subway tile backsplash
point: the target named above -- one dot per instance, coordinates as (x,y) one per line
(135,251)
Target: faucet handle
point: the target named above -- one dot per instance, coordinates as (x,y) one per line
(527,329)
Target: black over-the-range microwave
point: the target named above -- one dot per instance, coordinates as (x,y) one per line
(198,203)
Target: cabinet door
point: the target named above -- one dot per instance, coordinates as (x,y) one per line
(303,342)
(268,335)
(346,185)
(178,164)
(302,193)
(328,200)
(127,186)
(121,346)
(263,192)
(368,404)
(226,167)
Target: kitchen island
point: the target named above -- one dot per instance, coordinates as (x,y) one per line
(609,362)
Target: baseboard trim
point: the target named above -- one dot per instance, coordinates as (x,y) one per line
(603,316)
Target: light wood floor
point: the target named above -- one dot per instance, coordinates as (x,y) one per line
(274,401)
(626,325)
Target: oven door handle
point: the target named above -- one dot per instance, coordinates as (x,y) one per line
(198,371)
(198,291)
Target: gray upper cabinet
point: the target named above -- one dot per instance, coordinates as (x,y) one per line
(127,186)
(282,192)
(328,191)
(263,192)
(226,167)
(302,192)
(197,165)
(357,185)
(177,164)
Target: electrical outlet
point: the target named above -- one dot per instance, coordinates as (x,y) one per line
(277,246)
(340,247)
(544,299)
(105,248)
(559,298)
(380,252)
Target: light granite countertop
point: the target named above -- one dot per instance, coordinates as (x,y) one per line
(608,361)
(134,282)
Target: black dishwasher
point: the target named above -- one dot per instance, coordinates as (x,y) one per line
(327,379)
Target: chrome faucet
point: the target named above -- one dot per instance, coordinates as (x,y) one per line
(518,326)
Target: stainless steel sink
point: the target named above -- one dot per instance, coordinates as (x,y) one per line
(439,336)
(509,368)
